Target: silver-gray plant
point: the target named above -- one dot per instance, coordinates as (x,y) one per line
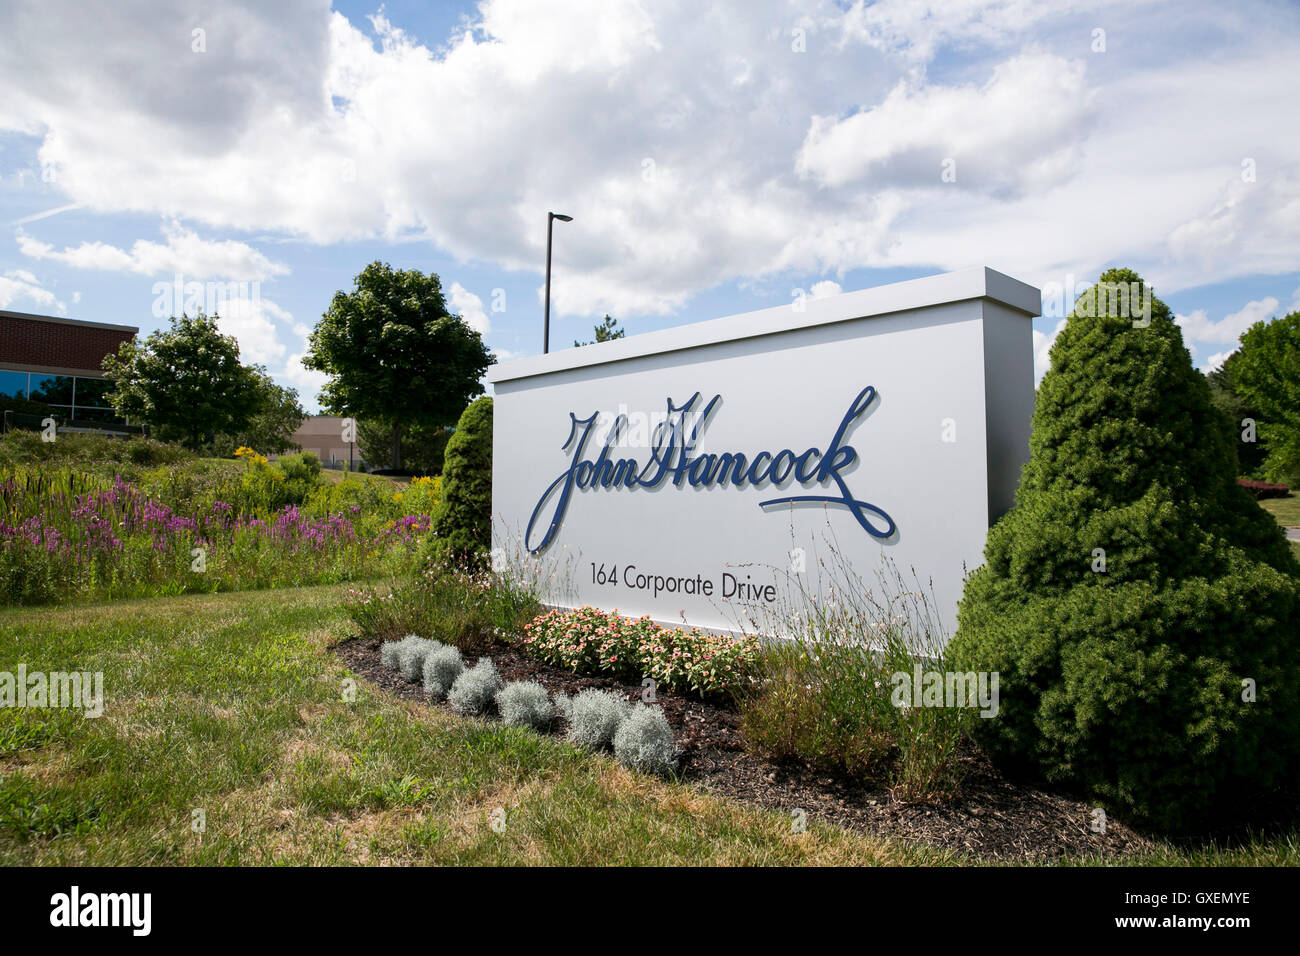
(441,668)
(410,657)
(388,654)
(644,741)
(526,704)
(594,717)
(563,705)
(475,690)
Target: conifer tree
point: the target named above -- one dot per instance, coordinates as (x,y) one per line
(463,524)
(1143,613)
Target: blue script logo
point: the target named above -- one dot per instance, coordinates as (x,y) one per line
(672,456)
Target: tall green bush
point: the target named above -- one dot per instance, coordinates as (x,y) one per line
(462,527)
(1143,613)
(301,476)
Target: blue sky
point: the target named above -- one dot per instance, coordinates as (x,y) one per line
(716,157)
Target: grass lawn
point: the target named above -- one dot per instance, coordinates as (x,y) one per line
(1287,513)
(232,704)
(1285,510)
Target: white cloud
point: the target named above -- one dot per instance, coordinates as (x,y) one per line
(1215,361)
(252,321)
(469,307)
(1194,323)
(18,286)
(184,252)
(298,122)
(824,288)
(916,29)
(308,381)
(1198,326)
(983,132)
(1256,222)
(1042,350)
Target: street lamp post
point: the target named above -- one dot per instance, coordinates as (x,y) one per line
(546,321)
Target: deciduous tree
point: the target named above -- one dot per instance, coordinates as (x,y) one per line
(186,381)
(395,354)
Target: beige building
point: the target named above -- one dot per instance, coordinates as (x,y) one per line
(322,435)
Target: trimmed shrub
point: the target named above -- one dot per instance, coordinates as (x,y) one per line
(410,657)
(563,705)
(388,654)
(1139,608)
(526,704)
(594,718)
(462,527)
(1259,490)
(391,651)
(441,668)
(474,691)
(644,741)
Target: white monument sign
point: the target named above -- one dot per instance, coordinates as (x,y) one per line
(693,473)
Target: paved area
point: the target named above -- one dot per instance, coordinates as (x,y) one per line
(1293,534)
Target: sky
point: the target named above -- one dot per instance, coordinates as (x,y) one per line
(717,158)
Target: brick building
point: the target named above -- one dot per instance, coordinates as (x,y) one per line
(57,361)
(322,435)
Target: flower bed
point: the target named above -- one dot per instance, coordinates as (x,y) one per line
(995,818)
(67,534)
(590,641)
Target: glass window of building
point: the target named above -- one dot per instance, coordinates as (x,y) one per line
(99,416)
(54,389)
(92,392)
(13,384)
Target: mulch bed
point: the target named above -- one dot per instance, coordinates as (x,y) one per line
(993,819)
